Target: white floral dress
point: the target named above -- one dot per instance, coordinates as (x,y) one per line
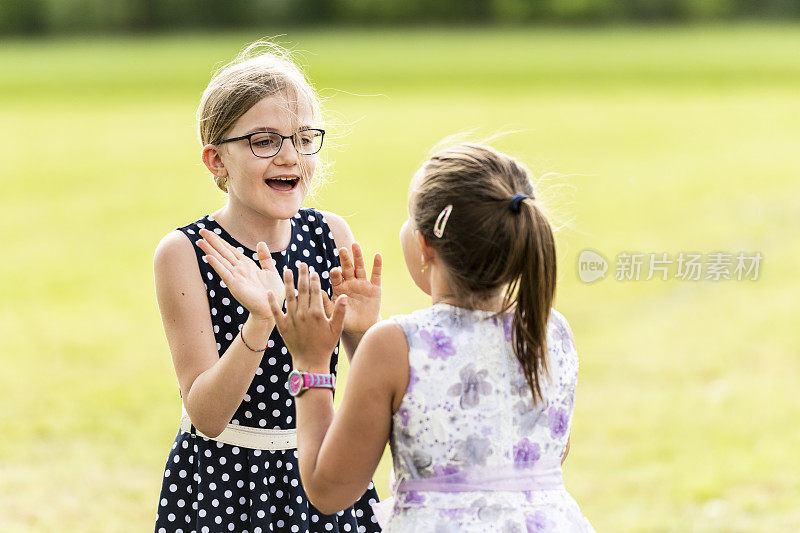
(467,407)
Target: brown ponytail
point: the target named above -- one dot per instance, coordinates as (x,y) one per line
(532,270)
(488,246)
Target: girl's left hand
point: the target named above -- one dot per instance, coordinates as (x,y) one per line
(364,305)
(309,334)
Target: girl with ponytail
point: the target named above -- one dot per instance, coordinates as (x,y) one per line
(475,394)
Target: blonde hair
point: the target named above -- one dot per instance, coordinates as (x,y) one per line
(262,69)
(491,244)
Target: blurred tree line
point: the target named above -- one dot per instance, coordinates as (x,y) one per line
(20,17)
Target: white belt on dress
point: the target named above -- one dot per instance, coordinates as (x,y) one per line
(247,437)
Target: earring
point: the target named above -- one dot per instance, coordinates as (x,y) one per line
(425,265)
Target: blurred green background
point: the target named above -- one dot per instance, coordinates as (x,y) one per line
(646,138)
(71,16)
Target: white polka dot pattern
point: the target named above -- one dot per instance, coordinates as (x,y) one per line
(214,487)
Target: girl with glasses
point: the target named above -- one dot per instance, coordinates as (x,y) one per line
(234,462)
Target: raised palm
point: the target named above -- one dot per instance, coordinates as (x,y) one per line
(248,282)
(363,294)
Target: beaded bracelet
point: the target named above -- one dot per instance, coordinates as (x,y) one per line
(241,334)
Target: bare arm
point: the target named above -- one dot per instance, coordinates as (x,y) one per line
(338,453)
(212,387)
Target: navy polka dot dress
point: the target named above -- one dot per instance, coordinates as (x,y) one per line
(211,487)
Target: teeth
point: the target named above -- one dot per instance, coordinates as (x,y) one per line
(283,179)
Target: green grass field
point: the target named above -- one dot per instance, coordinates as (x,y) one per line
(649,139)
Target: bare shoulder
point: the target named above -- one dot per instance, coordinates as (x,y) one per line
(388,337)
(177,276)
(342,235)
(383,355)
(174,247)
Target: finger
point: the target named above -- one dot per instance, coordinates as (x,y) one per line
(336,276)
(327,304)
(316,302)
(210,251)
(302,287)
(337,320)
(264,258)
(291,299)
(358,262)
(347,264)
(219,244)
(221,269)
(276,310)
(377,266)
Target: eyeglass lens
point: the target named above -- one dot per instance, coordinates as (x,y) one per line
(268,144)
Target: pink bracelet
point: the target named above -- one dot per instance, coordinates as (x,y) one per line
(241,334)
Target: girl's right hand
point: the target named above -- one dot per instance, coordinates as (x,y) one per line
(248,283)
(309,334)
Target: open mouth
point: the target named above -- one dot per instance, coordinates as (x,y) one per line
(282,184)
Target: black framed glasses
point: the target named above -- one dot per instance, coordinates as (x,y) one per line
(268,143)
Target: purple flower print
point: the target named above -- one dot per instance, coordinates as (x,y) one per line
(416,461)
(413,379)
(441,346)
(473,450)
(558,420)
(445,470)
(508,323)
(422,460)
(413,496)
(512,527)
(563,334)
(526,452)
(486,512)
(528,422)
(472,385)
(519,384)
(528,415)
(453,514)
(404,415)
(536,522)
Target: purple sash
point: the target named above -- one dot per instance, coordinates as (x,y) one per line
(517,477)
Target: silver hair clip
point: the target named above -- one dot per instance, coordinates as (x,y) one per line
(441,221)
